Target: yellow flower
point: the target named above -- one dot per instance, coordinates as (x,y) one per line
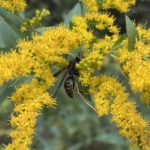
(144,34)
(121,5)
(54,41)
(48,51)
(80,28)
(13,5)
(12,65)
(105,44)
(105,91)
(36,57)
(145,95)
(131,124)
(112,98)
(102,103)
(35,21)
(23,28)
(91,5)
(44,74)
(43,50)
(28,100)
(102,21)
(136,65)
(88,65)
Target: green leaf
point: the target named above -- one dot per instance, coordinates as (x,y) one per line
(132,33)
(41,30)
(76,11)
(119,42)
(9,29)
(111,138)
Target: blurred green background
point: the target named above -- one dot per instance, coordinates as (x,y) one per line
(72,125)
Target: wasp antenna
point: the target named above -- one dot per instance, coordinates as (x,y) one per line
(82,92)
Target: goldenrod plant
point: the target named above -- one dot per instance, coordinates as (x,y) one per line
(14,5)
(40,55)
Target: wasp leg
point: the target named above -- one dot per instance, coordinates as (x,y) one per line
(82,92)
(62,80)
(83,98)
(59,72)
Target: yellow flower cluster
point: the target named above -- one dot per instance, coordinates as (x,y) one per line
(102,21)
(37,57)
(91,5)
(35,21)
(144,34)
(121,5)
(111,98)
(94,58)
(131,124)
(13,5)
(28,100)
(81,29)
(88,65)
(13,65)
(105,92)
(136,64)
(105,44)
(42,52)
(145,96)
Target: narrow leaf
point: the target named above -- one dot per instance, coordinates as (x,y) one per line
(119,42)
(9,29)
(132,33)
(76,11)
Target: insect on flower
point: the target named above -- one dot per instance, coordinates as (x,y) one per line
(69,82)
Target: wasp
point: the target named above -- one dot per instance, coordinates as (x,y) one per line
(69,80)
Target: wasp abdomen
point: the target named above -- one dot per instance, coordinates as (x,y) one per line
(69,86)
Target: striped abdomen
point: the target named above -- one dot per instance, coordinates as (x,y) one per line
(69,86)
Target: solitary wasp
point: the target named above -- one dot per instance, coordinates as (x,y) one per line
(69,82)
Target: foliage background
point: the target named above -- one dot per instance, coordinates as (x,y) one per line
(71,125)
